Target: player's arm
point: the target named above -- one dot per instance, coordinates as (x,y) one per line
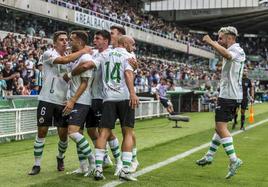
(134,100)
(82,68)
(221,50)
(70,103)
(90,64)
(134,63)
(72,57)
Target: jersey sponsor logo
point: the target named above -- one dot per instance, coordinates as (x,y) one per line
(41,120)
(218,107)
(74,111)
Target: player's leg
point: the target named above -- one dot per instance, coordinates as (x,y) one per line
(215,141)
(62,124)
(83,160)
(134,161)
(76,120)
(223,115)
(106,125)
(213,147)
(127,120)
(93,122)
(100,148)
(115,148)
(62,147)
(93,133)
(38,150)
(44,120)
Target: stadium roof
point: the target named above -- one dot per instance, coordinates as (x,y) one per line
(255,22)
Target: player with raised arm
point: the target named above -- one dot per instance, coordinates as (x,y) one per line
(230,94)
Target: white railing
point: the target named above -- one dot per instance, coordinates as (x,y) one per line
(19,122)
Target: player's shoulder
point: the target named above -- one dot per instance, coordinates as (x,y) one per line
(50,53)
(106,52)
(85,57)
(126,54)
(236,48)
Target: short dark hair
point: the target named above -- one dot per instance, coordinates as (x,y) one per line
(105,34)
(57,34)
(81,34)
(120,29)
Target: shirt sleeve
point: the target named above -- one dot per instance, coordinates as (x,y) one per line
(86,58)
(236,54)
(127,66)
(97,62)
(88,74)
(100,59)
(49,57)
(233,54)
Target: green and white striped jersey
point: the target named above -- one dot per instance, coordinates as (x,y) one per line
(97,84)
(113,78)
(231,75)
(54,87)
(75,82)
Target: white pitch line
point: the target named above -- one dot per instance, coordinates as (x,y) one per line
(177,157)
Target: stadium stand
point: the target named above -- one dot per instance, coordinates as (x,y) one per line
(134,16)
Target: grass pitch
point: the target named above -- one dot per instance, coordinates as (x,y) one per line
(157,141)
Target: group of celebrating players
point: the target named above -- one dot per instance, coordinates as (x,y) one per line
(92,89)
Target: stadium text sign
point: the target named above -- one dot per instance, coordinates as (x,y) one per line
(92,21)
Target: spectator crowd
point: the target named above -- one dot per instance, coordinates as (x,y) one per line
(20,72)
(124,12)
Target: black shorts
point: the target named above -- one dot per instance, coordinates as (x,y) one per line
(224,111)
(78,115)
(117,109)
(164,102)
(50,114)
(94,114)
